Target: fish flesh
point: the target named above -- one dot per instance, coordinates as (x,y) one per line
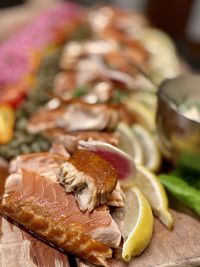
(43,206)
(90,177)
(45,163)
(74,116)
(70,140)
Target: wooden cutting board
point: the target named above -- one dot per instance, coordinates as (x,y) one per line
(21,249)
(178,248)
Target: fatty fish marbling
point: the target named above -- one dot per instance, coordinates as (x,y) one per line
(43,206)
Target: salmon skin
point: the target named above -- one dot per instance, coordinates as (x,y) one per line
(43,206)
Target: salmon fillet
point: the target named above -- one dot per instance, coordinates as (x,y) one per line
(90,177)
(74,116)
(46,164)
(70,140)
(43,206)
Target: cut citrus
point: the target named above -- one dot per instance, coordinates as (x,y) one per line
(129,143)
(138,223)
(155,193)
(152,156)
(141,113)
(147,98)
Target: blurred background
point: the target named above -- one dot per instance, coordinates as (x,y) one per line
(179,18)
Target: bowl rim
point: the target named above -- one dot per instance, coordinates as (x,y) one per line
(161,94)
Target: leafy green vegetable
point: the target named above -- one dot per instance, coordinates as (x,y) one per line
(188,168)
(180,189)
(190,176)
(190,161)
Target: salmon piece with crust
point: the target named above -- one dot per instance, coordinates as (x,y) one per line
(90,177)
(43,206)
(48,165)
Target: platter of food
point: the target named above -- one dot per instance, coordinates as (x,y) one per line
(82,170)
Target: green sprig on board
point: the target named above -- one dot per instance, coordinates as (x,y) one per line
(180,189)
(184,182)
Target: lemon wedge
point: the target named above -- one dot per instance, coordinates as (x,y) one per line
(129,143)
(147,98)
(141,113)
(163,62)
(155,193)
(138,223)
(152,155)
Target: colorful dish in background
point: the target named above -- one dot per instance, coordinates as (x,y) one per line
(21,55)
(83,140)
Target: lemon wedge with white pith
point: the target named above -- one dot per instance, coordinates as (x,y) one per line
(138,223)
(129,143)
(152,155)
(142,114)
(146,98)
(155,193)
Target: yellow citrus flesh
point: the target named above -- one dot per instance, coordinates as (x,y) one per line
(138,223)
(152,155)
(146,98)
(129,143)
(142,114)
(155,193)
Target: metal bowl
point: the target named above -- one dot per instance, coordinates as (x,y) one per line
(177,134)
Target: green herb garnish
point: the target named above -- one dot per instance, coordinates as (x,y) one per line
(180,189)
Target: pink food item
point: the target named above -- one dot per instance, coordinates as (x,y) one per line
(123,163)
(22,51)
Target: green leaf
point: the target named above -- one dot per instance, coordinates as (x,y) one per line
(190,161)
(190,176)
(180,189)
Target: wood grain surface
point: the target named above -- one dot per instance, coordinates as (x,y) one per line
(178,248)
(20,249)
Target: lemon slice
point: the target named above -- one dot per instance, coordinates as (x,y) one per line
(152,156)
(163,62)
(141,113)
(147,98)
(129,143)
(155,193)
(138,223)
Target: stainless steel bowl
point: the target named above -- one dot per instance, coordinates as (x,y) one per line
(177,134)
